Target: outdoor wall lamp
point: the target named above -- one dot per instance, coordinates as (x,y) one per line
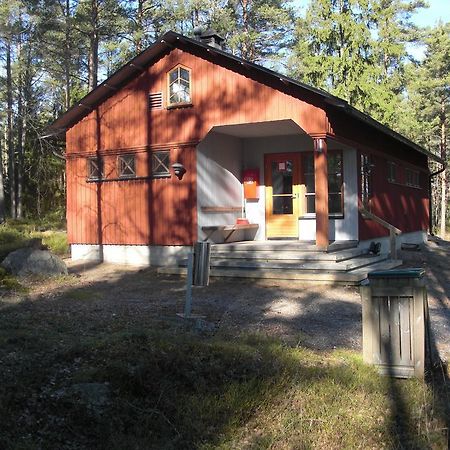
(178,170)
(320,145)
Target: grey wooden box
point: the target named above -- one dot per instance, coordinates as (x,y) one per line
(393,310)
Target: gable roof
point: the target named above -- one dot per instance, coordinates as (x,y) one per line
(171,40)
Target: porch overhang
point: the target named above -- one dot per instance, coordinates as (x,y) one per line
(253,155)
(260,129)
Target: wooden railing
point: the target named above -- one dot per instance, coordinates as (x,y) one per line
(393,231)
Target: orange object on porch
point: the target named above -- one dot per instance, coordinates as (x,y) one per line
(251,183)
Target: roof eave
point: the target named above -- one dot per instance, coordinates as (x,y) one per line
(393,134)
(168,40)
(128,71)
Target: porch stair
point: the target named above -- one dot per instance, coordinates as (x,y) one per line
(343,263)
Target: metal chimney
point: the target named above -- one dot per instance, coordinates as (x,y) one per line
(211,38)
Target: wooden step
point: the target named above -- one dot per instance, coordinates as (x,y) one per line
(343,266)
(287,255)
(383,265)
(281,245)
(353,277)
(264,246)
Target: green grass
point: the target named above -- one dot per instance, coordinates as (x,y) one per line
(15,235)
(170,388)
(56,241)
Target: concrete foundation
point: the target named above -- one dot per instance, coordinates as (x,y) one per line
(135,255)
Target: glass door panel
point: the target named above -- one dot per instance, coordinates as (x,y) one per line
(282,175)
(282,199)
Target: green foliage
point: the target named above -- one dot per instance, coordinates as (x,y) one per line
(428,101)
(356,49)
(56,241)
(260,29)
(10,283)
(17,234)
(10,239)
(9,235)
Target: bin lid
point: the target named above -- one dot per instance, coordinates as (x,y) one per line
(398,273)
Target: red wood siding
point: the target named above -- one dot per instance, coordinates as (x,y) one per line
(117,123)
(142,211)
(405,207)
(221,96)
(163,211)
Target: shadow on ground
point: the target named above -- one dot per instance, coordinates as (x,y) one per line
(103,361)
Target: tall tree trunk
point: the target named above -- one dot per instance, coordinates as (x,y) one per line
(20,129)
(139,36)
(93,46)
(245,50)
(2,191)
(67,56)
(444,173)
(9,143)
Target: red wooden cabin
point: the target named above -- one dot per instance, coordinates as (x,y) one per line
(295,160)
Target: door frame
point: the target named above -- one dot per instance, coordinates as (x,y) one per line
(296,188)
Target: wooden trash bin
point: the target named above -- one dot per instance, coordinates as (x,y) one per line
(393,317)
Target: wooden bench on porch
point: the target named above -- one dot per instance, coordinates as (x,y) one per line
(228,229)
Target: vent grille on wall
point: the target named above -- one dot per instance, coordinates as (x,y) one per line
(155,100)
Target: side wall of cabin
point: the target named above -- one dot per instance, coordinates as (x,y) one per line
(404,206)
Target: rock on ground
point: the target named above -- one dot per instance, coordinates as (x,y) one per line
(32,261)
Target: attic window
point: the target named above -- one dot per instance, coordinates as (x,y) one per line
(155,100)
(179,86)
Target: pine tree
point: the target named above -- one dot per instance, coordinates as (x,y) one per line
(99,21)
(260,28)
(356,49)
(394,30)
(429,102)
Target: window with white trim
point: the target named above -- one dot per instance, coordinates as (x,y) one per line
(412,177)
(179,86)
(335,199)
(392,172)
(335,203)
(309,179)
(367,167)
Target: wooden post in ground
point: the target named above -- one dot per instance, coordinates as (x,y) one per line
(188,303)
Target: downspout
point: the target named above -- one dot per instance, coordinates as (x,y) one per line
(432,175)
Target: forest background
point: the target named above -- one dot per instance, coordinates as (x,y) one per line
(371,53)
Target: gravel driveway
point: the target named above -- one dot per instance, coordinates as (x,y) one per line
(321,317)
